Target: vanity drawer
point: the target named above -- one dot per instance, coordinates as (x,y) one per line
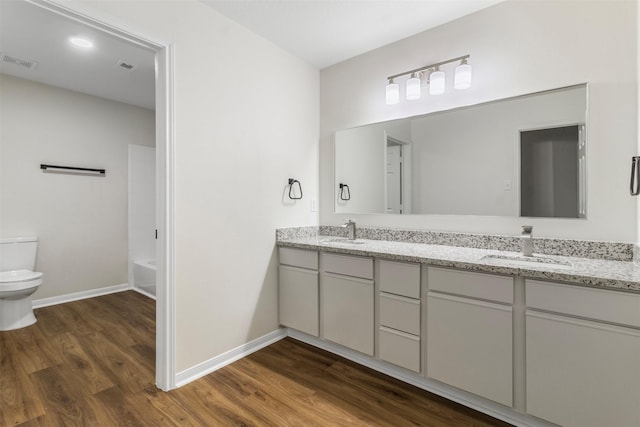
(298,258)
(475,285)
(599,304)
(400,278)
(400,313)
(400,348)
(354,266)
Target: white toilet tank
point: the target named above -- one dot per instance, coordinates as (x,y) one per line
(18,253)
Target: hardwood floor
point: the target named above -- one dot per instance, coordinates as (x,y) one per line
(91,363)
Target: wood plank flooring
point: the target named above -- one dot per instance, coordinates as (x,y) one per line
(91,363)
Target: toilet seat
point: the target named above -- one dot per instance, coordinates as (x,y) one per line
(19,279)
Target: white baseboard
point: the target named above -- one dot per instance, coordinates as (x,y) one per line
(228,357)
(61,299)
(469,400)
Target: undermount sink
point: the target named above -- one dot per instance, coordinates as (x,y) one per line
(342,240)
(523,261)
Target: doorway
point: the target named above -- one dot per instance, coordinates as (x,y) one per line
(397,176)
(552,174)
(165,329)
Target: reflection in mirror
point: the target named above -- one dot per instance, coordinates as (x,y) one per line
(466,161)
(552,172)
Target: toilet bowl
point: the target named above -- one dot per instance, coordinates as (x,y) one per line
(16,307)
(17,282)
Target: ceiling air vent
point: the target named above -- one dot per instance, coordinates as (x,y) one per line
(126,66)
(26,63)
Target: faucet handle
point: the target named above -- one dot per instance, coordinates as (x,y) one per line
(527,229)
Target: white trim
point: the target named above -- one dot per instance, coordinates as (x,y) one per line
(86,14)
(91,293)
(143,292)
(165,214)
(469,400)
(228,357)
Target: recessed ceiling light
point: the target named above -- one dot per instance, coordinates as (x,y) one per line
(80,42)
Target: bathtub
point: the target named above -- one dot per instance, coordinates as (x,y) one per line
(144,276)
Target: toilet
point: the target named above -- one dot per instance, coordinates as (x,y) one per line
(18,282)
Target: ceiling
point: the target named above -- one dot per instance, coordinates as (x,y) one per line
(325,32)
(31,33)
(321,32)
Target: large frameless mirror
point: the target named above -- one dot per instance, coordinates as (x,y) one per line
(522,156)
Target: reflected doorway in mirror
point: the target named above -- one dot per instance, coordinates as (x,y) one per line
(552,171)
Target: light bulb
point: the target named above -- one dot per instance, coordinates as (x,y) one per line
(413,87)
(436,82)
(392,92)
(462,78)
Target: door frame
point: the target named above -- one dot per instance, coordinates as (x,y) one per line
(406,172)
(86,14)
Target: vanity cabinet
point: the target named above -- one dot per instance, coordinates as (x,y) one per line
(561,353)
(470,332)
(347,301)
(399,314)
(298,290)
(582,355)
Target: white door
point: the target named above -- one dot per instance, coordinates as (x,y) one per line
(394,179)
(582,173)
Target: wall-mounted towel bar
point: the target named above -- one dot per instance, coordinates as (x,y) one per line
(292,195)
(72,168)
(345,193)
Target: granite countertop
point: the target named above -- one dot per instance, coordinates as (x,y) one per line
(614,275)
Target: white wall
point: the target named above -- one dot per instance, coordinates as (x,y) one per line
(81,221)
(246,120)
(516,47)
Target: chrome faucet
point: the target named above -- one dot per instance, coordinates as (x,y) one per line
(527,240)
(350,225)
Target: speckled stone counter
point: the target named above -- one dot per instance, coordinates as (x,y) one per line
(609,274)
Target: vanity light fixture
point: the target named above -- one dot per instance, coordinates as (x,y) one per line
(393,92)
(435,80)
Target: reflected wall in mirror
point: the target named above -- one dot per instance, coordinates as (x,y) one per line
(467,161)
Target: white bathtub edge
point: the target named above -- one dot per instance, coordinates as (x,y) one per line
(146,263)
